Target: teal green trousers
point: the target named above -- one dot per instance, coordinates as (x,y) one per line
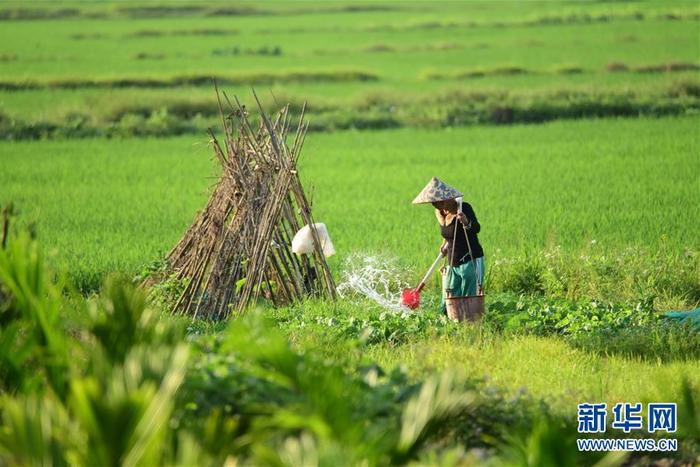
(461,281)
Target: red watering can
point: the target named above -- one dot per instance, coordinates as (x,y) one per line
(411,297)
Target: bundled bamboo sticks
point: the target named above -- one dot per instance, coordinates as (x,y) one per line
(239,247)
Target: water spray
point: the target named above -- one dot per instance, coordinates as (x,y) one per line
(374,278)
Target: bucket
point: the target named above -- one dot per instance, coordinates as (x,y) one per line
(470,308)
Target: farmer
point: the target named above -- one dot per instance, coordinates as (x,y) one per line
(462,280)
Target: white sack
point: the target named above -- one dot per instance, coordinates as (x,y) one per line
(303,242)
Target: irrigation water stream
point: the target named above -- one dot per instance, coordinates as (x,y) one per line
(376,278)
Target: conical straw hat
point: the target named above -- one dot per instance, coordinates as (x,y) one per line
(436,190)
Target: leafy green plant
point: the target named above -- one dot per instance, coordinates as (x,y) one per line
(549,443)
(109,403)
(32,344)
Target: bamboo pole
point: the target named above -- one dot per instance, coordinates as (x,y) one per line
(257,200)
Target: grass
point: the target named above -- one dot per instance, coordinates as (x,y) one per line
(101,103)
(156,115)
(607,353)
(547,371)
(191,80)
(194,54)
(553,45)
(124,190)
(588,223)
(244,392)
(583,187)
(545,368)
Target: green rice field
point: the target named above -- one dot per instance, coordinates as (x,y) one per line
(572,128)
(588,187)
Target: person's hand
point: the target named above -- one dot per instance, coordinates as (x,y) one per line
(463,219)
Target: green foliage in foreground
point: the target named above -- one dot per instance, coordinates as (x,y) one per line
(126,387)
(561,351)
(607,328)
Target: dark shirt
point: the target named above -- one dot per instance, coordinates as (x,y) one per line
(461,254)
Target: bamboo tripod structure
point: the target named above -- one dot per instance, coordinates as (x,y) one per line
(239,247)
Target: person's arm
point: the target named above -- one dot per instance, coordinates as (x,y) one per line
(468,218)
